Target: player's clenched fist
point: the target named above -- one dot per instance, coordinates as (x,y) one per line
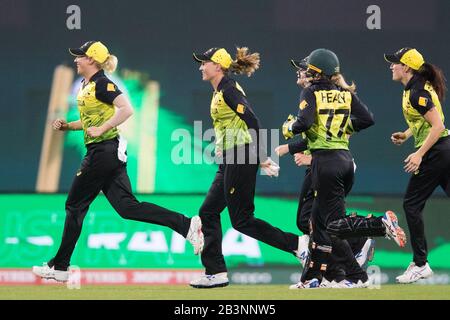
(60,124)
(398,138)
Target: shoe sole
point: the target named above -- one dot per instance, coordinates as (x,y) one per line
(219,285)
(393,229)
(370,255)
(200,249)
(202,243)
(201,236)
(49,277)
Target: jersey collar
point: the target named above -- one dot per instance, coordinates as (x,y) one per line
(415,78)
(223,82)
(95,76)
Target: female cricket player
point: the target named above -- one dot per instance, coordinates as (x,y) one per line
(324,116)
(362,247)
(424,89)
(236,127)
(104,165)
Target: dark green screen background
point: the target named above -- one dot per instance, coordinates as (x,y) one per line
(158,38)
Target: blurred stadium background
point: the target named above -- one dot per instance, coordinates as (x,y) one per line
(154,42)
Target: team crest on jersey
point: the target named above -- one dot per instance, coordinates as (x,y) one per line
(303,105)
(240,108)
(111,87)
(423,101)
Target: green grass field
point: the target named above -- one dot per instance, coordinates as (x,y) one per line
(233,292)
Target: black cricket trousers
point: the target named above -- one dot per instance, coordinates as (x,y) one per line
(101,170)
(305,203)
(434,171)
(332,174)
(234,187)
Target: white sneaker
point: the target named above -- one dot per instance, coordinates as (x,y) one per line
(308,284)
(211,281)
(345,284)
(361,284)
(46,272)
(195,235)
(325,284)
(302,251)
(414,273)
(366,254)
(393,230)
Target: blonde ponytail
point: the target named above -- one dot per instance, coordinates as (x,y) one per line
(245,62)
(110,65)
(338,79)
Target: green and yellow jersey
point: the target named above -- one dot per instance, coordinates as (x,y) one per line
(324,116)
(419,97)
(233,117)
(301,145)
(95,100)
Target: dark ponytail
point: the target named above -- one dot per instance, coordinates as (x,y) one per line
(436,77)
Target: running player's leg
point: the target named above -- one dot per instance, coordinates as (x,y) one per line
(214,203)
(85,188)
(305,202)
(355,226)
(420,188)
(118,192)
(361,246)
(240,180)
(304,209)
(326,187)
(341,248)
(331,183)
(432,170)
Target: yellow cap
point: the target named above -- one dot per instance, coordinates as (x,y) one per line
(408,56)
(217,55)
(412,59)
(93,49)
